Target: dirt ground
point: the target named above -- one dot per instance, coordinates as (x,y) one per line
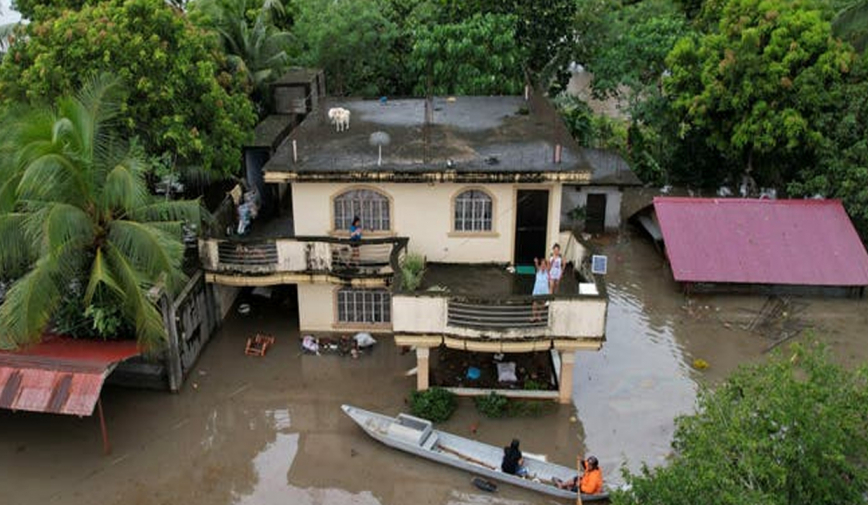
(263,431)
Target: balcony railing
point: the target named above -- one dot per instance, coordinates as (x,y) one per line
(498,316)
(310,255)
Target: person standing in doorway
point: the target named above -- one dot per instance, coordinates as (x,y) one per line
(556,269)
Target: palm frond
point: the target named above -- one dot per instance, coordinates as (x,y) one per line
(190,211)
(101,275)
(15,250)
(8,190)
(52,176)
(150,331)
(851,24)
(33,299)
(151,251)
(124,189)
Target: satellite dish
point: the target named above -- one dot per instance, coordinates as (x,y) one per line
(379,139)
(599,264)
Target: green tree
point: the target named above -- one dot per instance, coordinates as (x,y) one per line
(757,82)
(40,9)
(793,430)
(352,40)
(75,211)
(842,167)
(253,44)
(479,56)
(176,100)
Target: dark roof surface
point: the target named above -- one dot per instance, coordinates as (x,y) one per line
(783,242)
(297,75)
(488,135)
(272,130)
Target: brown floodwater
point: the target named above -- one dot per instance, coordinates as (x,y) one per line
(263,431)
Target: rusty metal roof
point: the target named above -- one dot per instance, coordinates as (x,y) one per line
(785,242)
(59,375)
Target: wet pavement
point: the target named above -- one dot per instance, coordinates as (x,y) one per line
(249,430)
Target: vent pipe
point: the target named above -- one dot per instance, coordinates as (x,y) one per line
(558,149)
(294,151)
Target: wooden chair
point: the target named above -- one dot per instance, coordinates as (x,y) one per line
(258,345)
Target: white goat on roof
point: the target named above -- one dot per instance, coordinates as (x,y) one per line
(340,117)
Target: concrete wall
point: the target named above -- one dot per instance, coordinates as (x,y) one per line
(317,312)
(224,297)
(577,196)
(424,213)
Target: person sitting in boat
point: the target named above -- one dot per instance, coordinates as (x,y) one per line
(591,481)
(513,461)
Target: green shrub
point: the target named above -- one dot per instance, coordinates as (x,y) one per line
(435,404)
(412,269)
(532,385)
(492,405)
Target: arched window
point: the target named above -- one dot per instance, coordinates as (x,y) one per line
(371,207)
(473,211)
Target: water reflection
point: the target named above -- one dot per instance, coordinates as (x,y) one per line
(628,394)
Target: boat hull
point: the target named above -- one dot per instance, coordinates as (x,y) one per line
(417,436)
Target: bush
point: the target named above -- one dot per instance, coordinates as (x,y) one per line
(793,430)
(412,270)
(492,405)
(435,404)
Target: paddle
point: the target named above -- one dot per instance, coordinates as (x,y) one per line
(580,469)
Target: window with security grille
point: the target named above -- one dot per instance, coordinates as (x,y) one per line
(473,211)
(370,206)
(365,306)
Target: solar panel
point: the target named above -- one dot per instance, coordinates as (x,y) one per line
(599,263)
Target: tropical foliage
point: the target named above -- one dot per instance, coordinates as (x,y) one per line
(792,430)
(253,44)
(76,217)
(176,97)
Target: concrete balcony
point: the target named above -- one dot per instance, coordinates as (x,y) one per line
(272,261)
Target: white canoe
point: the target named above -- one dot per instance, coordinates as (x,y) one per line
(418,436)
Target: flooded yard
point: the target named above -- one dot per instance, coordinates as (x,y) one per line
(249,430)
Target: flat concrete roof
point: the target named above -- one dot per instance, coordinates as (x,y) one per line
(485,136)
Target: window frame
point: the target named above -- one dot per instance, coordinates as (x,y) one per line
(369,307)
(384,203)
(454,218)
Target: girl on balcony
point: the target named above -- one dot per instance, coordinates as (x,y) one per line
(556,269)
(540,288)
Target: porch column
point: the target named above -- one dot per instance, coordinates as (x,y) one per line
(565,392)
(422,354)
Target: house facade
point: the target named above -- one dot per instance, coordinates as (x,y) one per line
(474,185)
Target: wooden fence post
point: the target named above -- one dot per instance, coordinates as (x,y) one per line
(173,355)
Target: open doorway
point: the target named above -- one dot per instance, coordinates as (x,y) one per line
(595,213)
(531,225)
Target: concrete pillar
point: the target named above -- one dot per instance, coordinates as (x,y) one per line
(565,393)
(422,354)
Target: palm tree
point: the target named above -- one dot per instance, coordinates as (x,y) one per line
(75,211)
(256,47)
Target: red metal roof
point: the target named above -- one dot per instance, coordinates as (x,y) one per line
(729,240)
(59,375)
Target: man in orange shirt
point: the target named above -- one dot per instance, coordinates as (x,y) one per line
(591,481)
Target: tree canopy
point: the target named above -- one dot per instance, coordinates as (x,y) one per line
(793,430)
(757,83)
(177,97)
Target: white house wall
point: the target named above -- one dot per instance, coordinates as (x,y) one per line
(424,213)
(316,307)
(577,196)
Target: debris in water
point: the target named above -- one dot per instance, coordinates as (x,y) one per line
(700,364)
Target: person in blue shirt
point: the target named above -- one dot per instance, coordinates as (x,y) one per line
(355,238)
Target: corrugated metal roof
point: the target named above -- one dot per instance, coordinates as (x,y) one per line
(59,375)
(793,242)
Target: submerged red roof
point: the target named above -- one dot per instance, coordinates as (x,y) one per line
(59,375)
(730,240)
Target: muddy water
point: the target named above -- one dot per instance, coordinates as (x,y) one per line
(628,394)
(269,430)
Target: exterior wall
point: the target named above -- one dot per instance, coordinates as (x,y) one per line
(316,307)
(225,297)
(577,196)
(424,213)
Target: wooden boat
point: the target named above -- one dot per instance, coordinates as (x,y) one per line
(418,436)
